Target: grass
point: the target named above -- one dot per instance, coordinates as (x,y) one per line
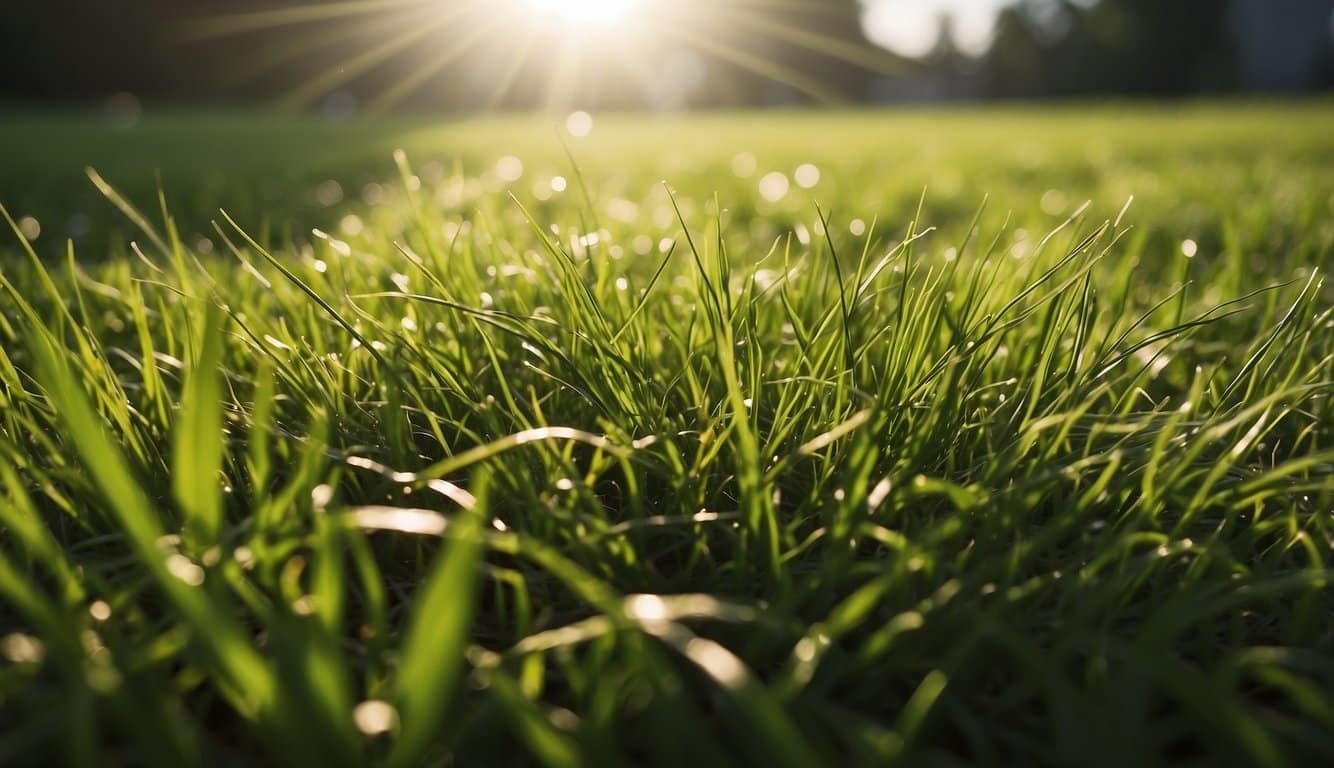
(630,473)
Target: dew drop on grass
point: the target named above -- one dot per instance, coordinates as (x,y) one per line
(351,225)
(509,168)
(321,495)
(563,719)
(375,717)
(623,210)
(579,124)
(22,649)
(372,194)
(1189,248)
(1053,202)
(100,610)
(183,568)
(774,186)
(30,228)
(807,176)
(744,165)
(329,193)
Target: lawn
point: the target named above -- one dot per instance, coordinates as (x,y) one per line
(938,437)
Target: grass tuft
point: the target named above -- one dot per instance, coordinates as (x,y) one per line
(483,472)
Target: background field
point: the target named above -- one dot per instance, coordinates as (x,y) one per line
(968,474)
(1205,168)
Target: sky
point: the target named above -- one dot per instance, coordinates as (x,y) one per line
(909,27)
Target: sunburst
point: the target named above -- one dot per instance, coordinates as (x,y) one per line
(596,13)
(559,45)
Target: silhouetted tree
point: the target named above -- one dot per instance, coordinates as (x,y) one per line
(1163,48)
(1015,63)
(1128,47)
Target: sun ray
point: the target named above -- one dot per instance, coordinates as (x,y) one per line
(377,56)
(446,56)
(358,65)
(814,8)
(733,32)
(518,58)
(754,64)
(258,21)
(864,56)
(273,56)
(564,73)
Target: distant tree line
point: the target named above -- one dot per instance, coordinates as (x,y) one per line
(738,52)
(1058,48)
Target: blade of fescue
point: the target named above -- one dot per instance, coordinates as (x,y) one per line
(198,438)
(438,631)
(245,677)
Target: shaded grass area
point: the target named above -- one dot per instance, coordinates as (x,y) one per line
(500,468)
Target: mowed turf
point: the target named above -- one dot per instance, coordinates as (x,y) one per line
(861,440)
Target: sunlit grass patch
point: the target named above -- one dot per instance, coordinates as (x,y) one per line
(496,469)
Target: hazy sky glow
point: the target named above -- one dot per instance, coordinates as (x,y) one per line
(909,27)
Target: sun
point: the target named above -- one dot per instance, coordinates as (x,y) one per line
(588,13)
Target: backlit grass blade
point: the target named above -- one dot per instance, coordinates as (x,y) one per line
(198,437)
(245,676)
(432,662)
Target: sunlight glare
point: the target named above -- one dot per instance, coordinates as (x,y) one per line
(599,13)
